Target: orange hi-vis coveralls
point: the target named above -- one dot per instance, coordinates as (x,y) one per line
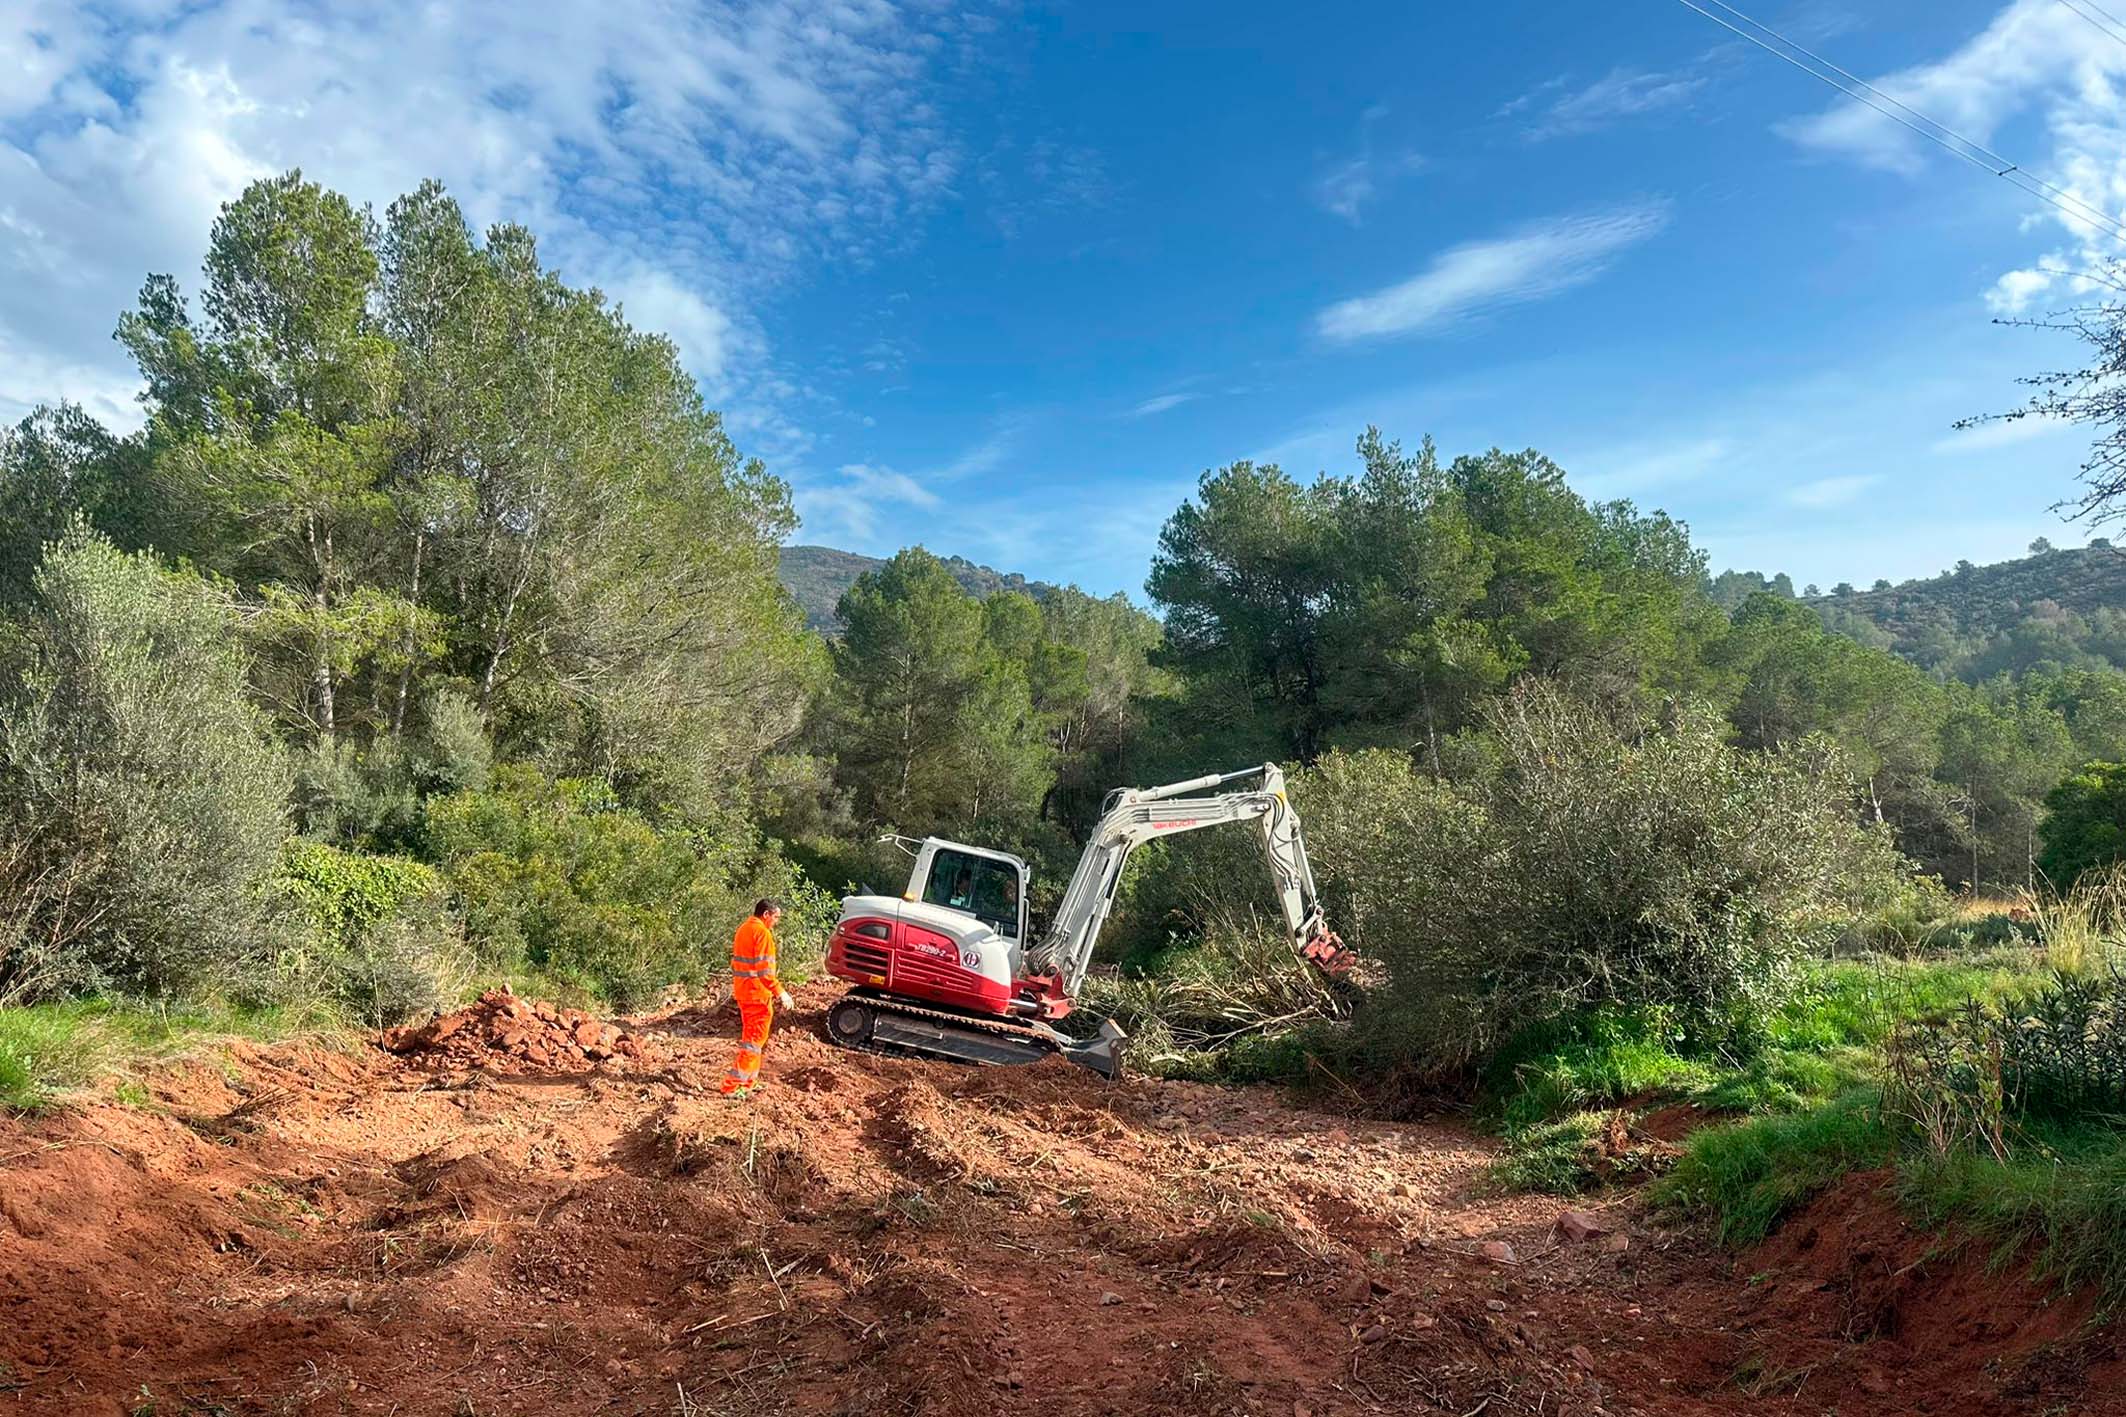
(754,986)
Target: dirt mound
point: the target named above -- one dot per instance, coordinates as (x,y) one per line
(502,1032)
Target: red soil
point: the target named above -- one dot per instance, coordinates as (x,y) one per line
(310,1232)
(499,1032)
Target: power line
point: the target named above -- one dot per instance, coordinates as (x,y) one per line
(1940,134)
(2108,26)
(1992,161)
(1934,131)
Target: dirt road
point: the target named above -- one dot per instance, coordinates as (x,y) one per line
(309,1232)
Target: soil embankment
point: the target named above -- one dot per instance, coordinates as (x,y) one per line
(306,1232)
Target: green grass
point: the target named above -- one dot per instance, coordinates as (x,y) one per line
(1548,1087)
(2061,1196)
(52,1052)
(1747,1177)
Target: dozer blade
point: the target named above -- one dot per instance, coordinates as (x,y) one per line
(1102,1054)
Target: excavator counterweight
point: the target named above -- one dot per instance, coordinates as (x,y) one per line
(949,969)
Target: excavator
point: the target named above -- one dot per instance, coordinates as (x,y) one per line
(949,969)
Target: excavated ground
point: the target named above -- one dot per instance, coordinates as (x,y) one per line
(309,1232)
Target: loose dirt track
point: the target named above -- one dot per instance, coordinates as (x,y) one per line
(312,1232)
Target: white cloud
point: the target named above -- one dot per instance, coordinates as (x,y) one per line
(2034,55)
(1351,183)
(1530,263)
(1830,491)
(1346,188)
(1620,94)
(848,509)
(685,158)
(1161,403)
(1637,469)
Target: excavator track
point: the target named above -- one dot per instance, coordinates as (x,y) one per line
(880,1023)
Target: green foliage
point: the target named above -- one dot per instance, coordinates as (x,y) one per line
(56,465)
(1663,868)
(559,876)
(373,934)
(1389,607)
(2057,609)
(2061,1197)
(1747,1177)
(819,576)
(2085,823)
(143,803)
(50,1052)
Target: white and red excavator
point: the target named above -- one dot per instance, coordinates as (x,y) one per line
(948,968)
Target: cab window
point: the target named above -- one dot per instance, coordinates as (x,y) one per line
(985,889)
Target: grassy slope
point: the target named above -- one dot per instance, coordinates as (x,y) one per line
(1809,1113)
(51,1052)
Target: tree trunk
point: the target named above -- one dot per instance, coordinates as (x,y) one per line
(413,605)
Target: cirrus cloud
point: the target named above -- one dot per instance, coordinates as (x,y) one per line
(1531,262)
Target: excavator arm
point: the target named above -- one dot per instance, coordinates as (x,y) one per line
(1133,816)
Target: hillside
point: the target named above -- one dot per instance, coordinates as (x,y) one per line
(2060,606)
(817,576)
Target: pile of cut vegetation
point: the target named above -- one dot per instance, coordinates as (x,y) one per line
(503,1032)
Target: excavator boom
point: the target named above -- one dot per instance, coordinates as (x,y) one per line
(1133,816)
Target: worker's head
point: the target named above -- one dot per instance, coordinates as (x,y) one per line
(768,908)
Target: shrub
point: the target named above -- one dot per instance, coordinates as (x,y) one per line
(371,933)
(135,774)
(557,876)
(1660,868)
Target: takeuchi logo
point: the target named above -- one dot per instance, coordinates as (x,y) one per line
(1176,822)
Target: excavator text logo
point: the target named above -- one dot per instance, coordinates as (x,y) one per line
(1174,824)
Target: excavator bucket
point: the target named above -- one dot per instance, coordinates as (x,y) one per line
(1103,1054)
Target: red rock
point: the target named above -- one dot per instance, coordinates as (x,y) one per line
(1578,1225)
(1373,1335)
(1579,1354)
(586,1033)
(444,1026)
(1616,1244)
(1497,1251)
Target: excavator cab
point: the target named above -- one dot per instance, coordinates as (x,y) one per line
(989,885)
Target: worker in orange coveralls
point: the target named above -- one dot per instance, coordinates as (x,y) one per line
(757,990)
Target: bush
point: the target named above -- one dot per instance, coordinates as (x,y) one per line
(1658,869)
(556,876)
(142,803)
(373,934)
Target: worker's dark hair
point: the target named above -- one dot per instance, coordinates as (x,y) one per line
(765,904)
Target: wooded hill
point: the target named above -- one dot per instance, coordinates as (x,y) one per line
(2055,608)
(818,575)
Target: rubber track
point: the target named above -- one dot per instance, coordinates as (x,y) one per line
(886,1004)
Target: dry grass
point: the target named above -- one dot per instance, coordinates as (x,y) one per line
(2084,931)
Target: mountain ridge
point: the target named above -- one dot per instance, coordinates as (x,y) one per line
(816,577)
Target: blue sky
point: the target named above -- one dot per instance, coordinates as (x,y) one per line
(1005,280)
